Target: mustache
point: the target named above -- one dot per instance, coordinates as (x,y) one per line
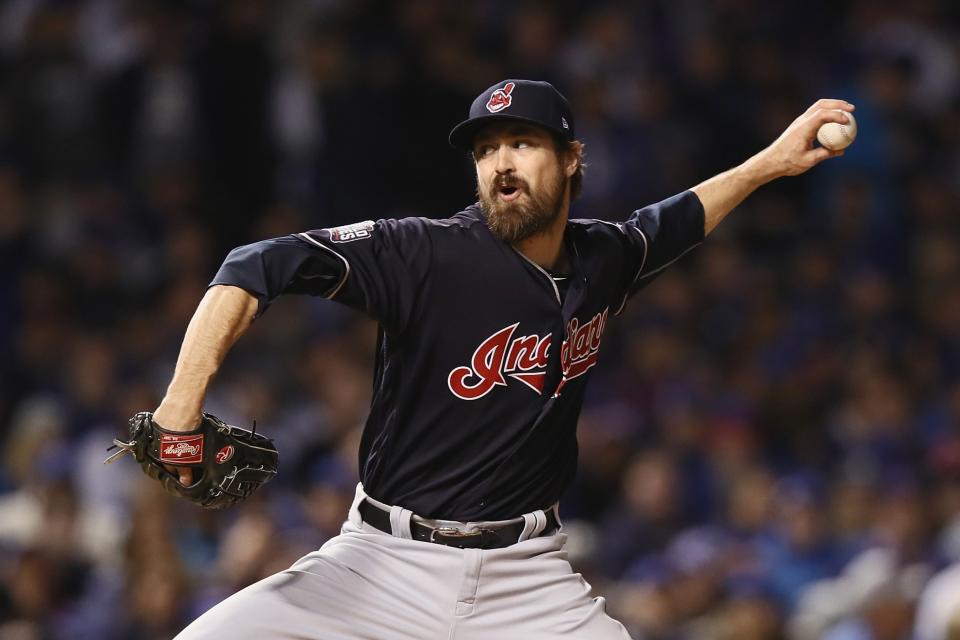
(508,180)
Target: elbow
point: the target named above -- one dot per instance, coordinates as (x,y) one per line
(244,268)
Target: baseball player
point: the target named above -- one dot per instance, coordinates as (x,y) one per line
(490,322)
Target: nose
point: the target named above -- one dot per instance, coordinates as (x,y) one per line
(504,159)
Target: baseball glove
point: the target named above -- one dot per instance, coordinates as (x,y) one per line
(229,463)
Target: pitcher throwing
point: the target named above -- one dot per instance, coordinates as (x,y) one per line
(490,323)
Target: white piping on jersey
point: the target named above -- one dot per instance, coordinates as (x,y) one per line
(654,272)
(553,284)
(661,268)
(346,264)
(643,262)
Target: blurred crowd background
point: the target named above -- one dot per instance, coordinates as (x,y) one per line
(771,444)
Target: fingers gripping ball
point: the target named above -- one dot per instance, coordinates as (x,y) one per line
(229,463)
(835,136)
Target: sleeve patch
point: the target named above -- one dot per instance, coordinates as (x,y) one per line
(351,232)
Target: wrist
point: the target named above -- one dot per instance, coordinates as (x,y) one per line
(176,414)
(760,169)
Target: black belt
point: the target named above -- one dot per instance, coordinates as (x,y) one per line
(492,538)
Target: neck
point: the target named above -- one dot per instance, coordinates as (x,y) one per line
(546,247)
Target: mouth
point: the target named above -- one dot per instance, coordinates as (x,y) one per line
(509,193)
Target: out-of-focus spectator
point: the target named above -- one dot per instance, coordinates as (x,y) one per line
(647,515)
(874,597)
(751,612)
(939,609)
(798,549)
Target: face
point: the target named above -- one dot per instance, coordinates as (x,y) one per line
(521,181)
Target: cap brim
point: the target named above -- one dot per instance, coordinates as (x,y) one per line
(462,135)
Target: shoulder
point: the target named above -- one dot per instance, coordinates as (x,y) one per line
(465,223)
(467,218)
(596,229)
(464,219)
(412,230)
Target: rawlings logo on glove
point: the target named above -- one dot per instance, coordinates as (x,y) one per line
(180,449)
(229,463)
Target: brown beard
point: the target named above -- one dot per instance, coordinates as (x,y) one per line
(524,217)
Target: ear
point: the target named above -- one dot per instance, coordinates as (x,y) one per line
(573,158)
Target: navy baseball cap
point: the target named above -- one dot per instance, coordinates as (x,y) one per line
(530,101)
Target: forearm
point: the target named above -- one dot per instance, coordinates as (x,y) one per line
(223,315)
(791,154)
(723,192)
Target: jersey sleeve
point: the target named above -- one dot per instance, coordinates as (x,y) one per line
(374,267)
(656,237)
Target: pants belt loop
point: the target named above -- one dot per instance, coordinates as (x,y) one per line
(354,515)
(541,522)
(533,525)
(400,522)
(556,513)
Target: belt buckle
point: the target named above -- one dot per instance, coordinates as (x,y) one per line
(451,532)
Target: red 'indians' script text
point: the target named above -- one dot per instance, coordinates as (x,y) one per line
(525,359)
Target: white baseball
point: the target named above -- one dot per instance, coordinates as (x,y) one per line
(836,136)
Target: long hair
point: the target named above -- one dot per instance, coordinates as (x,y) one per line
(564,147)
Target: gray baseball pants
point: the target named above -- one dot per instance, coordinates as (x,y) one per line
(367,584)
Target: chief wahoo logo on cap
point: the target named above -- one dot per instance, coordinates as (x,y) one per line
(501,98)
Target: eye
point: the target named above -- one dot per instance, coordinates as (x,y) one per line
(483,150)
(521,144)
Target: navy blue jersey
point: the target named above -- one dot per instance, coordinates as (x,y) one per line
(481,364)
